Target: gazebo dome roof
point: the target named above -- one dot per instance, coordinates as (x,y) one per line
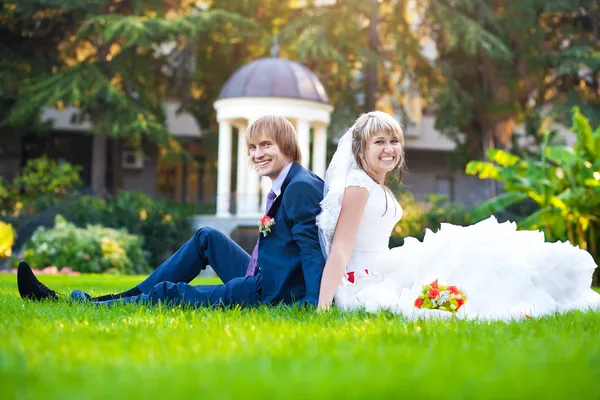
(274,77)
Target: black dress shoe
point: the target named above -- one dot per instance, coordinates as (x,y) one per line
(30,287)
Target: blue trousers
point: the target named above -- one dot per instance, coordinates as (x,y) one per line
(169,283)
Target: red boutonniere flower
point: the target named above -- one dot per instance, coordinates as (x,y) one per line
(265,224)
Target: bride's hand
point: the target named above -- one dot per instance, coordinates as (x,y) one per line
(344,236)
(323,307)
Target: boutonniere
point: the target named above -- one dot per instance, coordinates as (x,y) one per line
(265,224)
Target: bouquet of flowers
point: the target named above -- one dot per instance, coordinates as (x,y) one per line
(440,297)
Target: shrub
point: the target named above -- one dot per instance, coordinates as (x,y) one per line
(44,182)
(92,249)
(10,206)
(163,227)
(5,195)
(419,216)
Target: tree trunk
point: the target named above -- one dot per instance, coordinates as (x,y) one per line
(116,150)
(487,143)
(371,68)
(98,181)
(570,235)
(593,239)
(500,115)
(581,240)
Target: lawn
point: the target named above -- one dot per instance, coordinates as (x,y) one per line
(78,351)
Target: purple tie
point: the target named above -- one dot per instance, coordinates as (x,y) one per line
(253,264)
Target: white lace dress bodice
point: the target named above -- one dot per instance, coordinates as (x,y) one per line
(506,274)
(381,214)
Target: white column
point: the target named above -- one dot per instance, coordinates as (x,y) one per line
(224,169)
(253,192)
(303,130)
(320,150)
(243,167)
(252,187)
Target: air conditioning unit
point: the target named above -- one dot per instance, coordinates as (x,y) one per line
(132,159)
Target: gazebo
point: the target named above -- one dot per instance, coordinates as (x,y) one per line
(267,86)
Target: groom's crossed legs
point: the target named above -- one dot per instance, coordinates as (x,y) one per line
(169,283)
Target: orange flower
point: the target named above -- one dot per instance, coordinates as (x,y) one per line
(434,284)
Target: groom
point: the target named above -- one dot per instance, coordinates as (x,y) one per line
(285,266)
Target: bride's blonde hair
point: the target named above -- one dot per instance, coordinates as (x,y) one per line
(372,123)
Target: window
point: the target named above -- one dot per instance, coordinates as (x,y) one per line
(445,186)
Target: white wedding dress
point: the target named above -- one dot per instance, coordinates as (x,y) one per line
(506,274)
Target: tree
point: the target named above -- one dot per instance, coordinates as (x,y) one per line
(356,47)
(370,53)
(113,60)
(553,63)
(223,50)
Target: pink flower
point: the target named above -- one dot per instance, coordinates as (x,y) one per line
(264,221)
(264,225)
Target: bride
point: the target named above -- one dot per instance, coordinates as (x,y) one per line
(506,274)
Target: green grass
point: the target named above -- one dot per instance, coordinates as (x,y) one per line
(78,351)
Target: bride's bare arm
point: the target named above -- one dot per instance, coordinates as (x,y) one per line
(353,206)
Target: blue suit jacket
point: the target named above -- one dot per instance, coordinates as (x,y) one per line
(290,257)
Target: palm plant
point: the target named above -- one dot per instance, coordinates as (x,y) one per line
(564,182)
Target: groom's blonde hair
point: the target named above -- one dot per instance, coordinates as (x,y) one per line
(281,131)
(370,124)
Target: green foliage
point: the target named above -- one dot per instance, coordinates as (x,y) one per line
(163,227)
(553,64)
(115,61)
(384,67)
(528,144)
(7,197)
(91,249)
(44,182)
(468,25)
(219,54)
(45,188)
(417,217)
(564,183)
(4,189)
